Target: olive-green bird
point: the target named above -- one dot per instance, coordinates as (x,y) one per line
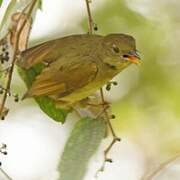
(76,66)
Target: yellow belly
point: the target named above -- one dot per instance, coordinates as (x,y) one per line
(84,92)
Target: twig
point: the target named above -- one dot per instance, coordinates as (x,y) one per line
(160,168)
(102,112)
(5,174)
(3,151)
(105,109)
(11,68)
(106,113)
(15,52)
(90,19)
(115,138)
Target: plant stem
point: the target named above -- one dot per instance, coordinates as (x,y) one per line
(104,104)
(162,166)
(5,174)
(15,53)
(90,19)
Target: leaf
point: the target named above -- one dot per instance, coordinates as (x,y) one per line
(45,103)
(11,19)
(40,4)
(5,24)
(14,6)
(83,142)
(1,2)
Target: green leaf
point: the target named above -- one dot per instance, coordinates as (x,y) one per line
(1,2)
(40,4)
(6,21)
(81,145)
(13,7)
(45,103)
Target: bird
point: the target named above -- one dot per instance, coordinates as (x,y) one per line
(76,66)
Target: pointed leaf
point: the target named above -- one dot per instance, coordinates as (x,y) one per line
(1,2)
(45,103)
(40,4)
(81,145)
(6,21)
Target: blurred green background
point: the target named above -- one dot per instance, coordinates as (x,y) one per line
(149,113)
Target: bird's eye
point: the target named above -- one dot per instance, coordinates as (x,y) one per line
(115,49)
(125,56)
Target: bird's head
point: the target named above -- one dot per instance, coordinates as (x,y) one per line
(120,50)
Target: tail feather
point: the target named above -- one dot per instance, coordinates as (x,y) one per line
(26,95)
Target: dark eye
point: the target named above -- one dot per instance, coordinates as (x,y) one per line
(125,56)
(115,49)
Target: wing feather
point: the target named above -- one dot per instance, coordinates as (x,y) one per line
(63,79)
(50,51)
(36,55)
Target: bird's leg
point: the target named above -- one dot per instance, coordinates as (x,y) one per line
(93,102)
(107,104)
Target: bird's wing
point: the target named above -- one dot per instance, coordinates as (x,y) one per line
(63,79)
(50,51)
(36,54)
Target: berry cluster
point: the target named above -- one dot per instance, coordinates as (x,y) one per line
(3,90)
(3,150)
(4,52)
(109,85)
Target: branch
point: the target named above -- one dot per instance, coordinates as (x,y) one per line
(4,152)
(105,105)
(5,174)
(162,166)
(90,19)
(15,53)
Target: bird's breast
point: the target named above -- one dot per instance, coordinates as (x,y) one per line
(101,79)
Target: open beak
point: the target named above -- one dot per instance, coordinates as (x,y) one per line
(134,57)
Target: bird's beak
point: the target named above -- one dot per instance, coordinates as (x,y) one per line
(134,57)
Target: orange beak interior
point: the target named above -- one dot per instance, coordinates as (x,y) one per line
(133,57)
(134,60)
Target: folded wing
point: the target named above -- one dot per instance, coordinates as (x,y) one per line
(62,78)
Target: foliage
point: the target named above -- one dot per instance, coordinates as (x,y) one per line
(5,24)
(86,135)
(45,103)
(40,4)
(81,145)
